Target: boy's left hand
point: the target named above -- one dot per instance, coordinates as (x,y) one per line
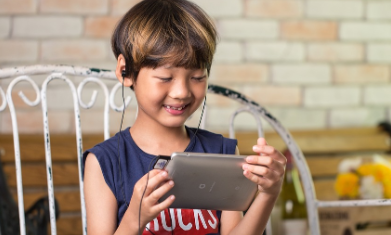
(266,169)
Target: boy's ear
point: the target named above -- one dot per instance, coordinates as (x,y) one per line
(119,72)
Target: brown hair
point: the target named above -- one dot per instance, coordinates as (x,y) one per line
(159,32)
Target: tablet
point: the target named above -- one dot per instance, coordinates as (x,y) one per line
(209,181)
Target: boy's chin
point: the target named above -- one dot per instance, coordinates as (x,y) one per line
(175,125)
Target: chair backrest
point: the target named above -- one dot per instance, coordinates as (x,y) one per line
(79,76)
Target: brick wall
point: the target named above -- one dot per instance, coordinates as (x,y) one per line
(312,63)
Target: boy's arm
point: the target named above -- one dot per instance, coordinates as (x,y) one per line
(101,205)
(267,170)
(255,220)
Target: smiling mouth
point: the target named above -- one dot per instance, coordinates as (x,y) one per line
(175,108)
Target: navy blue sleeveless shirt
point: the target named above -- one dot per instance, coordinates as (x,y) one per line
(135,163)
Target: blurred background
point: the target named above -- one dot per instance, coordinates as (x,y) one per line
(312,63)
(318,66)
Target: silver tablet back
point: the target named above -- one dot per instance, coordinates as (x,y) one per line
(209,181)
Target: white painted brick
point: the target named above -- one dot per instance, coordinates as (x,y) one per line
(335,9)
(92,120)
(214,100)
(72,50)
(248,29)
(332,96)
(17,51)
(86,7)
(275,51)
(115,119)
(313,30)
(58,89)
(299,118)
(27,90)
(377,95)
(365,31)
(227,51)
(194,120)
(47,26)
(30,121)
(5,26)
(56,96)
(301,73)
(335,52)
(120,7)
(26,86)
(127,93)
(356,117)
(110,55)
(109,65)
(219,119)
(378,10)
(8,7)
(239,73)
(361,74)
(272,9)
(262,94)
(379,52)
(221,8)
(273,95)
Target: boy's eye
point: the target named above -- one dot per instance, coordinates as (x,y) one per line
(165,79)
(199,78)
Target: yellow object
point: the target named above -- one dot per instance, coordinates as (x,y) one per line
(347,185)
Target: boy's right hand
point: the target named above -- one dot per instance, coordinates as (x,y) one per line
(158,185)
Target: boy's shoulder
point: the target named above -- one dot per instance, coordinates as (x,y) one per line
(106,151)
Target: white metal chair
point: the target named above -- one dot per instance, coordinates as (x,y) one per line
(80,76)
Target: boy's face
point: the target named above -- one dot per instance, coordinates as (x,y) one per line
(169,95)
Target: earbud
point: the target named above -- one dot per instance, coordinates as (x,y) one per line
(123,73)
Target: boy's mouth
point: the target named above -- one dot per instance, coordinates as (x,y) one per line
(175,108)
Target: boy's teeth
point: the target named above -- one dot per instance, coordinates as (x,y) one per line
(169,107)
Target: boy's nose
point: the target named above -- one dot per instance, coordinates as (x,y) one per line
(180,89)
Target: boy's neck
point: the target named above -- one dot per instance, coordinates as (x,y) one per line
(160,140)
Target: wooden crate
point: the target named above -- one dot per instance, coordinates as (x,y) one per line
(375,220)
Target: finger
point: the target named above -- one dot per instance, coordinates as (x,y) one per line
(265,149)
(140,185)
(268,150)
(259,180)
(265,161)
(151,180)
(264,172)
(261,141)
(155,172)
(264,183)
(160,192)
(164,204)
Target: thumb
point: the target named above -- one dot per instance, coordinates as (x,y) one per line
(261,141)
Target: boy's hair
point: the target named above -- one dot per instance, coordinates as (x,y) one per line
(160,32)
